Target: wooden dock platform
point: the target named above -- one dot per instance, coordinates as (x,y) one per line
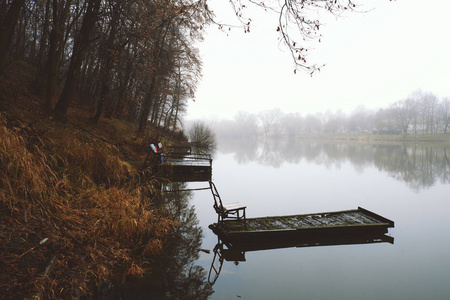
(235,251)
(187,167)
(308,226)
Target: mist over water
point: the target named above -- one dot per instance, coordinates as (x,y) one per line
(407,183)
(418,165)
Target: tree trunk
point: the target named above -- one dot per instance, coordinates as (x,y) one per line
(7,29)
(168,117)
(3,9)
(39,80)
(126,79)
(80,45)
(56,49)
(148,101)
(19,43)
(105,73)
(51,61)
(160,116)
(32,56)
(175,119)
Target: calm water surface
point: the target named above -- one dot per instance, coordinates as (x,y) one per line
(409,184)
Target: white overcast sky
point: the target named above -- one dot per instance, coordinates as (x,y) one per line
(372,59)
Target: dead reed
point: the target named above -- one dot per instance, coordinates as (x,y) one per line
(58,184)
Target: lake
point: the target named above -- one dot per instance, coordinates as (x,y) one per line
(407,183)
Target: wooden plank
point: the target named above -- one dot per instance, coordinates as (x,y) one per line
(233,206)
(370,213)
(314,219)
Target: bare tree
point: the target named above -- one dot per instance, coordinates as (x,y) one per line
(427,104)
(165,29)
(444,112)
(7,27)
(270,121)
(335,122)
(313,123)
(404,111)
(81,43)
(386,122)
(292,124)
(202,137)
(246,125)
(60,10)
(298,23)
(360,120)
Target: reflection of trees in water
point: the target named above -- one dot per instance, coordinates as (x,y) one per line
(204,149)
(270,154)
(245,150)
(173,274)
(419,165)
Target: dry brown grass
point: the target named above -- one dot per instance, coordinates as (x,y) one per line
(88,199)
(58,183)
(24,175)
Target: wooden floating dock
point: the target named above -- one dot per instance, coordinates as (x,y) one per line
(189,167)
(309,227)
(349,227)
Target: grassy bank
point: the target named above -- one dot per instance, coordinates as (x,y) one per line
(75,204)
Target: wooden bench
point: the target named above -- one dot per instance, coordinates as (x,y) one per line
(233,210)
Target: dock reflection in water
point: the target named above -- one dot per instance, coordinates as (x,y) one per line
(235,252)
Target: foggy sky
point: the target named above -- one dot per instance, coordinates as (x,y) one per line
(372,59)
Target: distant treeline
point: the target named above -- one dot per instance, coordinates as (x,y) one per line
(420,113)
(134,59)
(418,165)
